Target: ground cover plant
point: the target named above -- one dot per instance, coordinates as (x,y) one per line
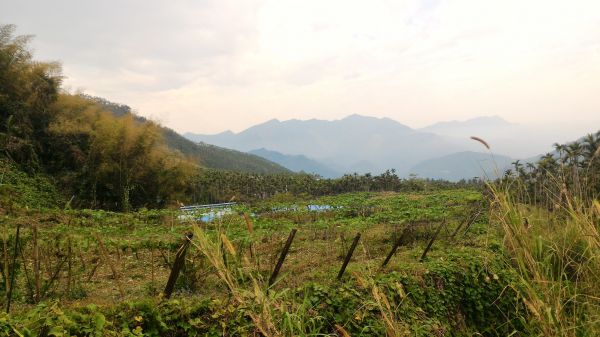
(102,272)
(93,242)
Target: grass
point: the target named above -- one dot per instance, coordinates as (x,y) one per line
(499,278)
(557,256)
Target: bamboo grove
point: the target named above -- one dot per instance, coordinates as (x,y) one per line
(101,160)
(116,160)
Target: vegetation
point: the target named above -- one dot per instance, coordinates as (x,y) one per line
(88,240)
(207,155)
(105,161)
(218,186)
(461,288)
(550,216)
(572,171)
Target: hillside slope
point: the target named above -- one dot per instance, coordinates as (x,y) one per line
(297,163)
(19,190)
(207,155)
(462,165)
(352,144)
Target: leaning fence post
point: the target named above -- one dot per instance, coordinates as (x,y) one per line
(284,252)
(106,258)
(177,265)
(348,256)
(432,239)
(36,264)
(471,223)
(395,246)
(12,272)
(468,220)
(250,226)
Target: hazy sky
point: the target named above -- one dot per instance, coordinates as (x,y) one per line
(211,65)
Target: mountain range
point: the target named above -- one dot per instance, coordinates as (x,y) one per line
(297,163)
(353,144)
(366,144)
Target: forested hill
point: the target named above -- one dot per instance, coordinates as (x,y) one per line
(97,154)
(206,155)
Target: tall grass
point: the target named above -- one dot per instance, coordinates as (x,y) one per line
(271,312)
(556,252)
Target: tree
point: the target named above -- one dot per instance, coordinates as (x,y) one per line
(27,89)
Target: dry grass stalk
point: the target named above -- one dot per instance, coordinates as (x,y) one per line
(481,141)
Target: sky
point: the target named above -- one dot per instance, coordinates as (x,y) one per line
(206,66)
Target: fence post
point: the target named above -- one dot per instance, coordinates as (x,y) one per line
(36,264)
(348,256)
(472,216)
(106,258)
(177,265)
(250,226)
(395,246)
(12,272)
(284,252)
(471,223)
(432,239)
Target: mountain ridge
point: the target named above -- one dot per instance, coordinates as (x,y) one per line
(297,163)
(355,143)
(207,155)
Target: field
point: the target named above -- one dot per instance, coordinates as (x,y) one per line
(103,271)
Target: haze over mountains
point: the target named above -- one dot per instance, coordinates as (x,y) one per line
(367,144)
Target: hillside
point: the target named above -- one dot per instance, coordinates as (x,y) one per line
(511,139)
(297,163)
(19,190)
(207,155)
(352,144)
(456,166)
(489,126)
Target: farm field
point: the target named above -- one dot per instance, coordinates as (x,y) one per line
(105,272)
(466,203)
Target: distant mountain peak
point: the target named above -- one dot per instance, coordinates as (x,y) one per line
(296,163)
(492,118)
(489,125)
(357,116)
(481,120)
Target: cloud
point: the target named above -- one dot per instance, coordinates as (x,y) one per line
(212,65)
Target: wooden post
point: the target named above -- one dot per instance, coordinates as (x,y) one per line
(36,265)
(432,239)
(29,285)
(471,223)
(177,265)
(223,253)
(97,262)
(250,226)
(152,266)
(397,244)
(53,277)
(249,223)
(69,262)
(6,263)
(284,252)
(12,273)
(348,256)
(468,220)
(460,226)
(110,264)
